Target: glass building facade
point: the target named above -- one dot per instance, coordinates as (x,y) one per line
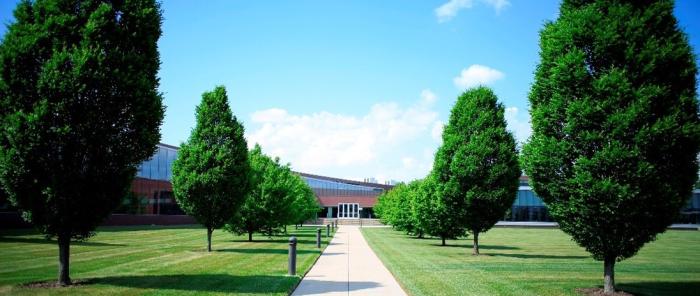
(344,199)
(151,192)
(530,207)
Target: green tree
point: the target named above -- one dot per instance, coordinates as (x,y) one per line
(305,204)
(79,110)
(431,213)
(394,207)
(477,165)
(270,203)
(211,172)
(615,124)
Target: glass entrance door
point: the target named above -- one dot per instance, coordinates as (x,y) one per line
(348,211)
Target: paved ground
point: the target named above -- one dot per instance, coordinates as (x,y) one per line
(348,267)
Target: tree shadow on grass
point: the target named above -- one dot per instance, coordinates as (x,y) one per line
(266,251)
(538,256)
(299,241)
(660,288)
(481,247)
(28,240)
(222,283)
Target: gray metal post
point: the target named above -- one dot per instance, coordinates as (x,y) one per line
(328,230)
(293,255)
(318,237)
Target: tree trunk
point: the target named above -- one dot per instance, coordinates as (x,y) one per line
(443,240)
(609,276)
(209,231)
(250,236)
(64,260)
(285,229)
(476,244)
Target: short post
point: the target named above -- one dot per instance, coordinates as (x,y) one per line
(332,226)
(318,237)
(293,255)
(328,230)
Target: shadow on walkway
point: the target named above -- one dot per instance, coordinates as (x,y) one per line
(312,286)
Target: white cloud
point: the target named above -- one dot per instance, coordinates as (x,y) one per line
(387,142)
(518,124)
(428,96)
(449,10)
(477,75)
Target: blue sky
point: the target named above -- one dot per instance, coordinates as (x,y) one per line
(351,89)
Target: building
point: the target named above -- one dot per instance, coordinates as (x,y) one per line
(340,198)
(344,199)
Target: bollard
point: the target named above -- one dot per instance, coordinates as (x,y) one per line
(292,255)
(332,226)
(318,237)
(328,230)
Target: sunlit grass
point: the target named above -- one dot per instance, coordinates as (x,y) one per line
(520,261)
(157,261)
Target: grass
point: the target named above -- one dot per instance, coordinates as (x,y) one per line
(152,260)
(517,261)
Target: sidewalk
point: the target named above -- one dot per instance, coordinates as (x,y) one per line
(348,267)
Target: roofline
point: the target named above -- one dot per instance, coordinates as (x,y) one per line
(353,182)
(367,184)
(168,146)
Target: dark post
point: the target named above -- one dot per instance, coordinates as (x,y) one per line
(328,230)
(318,237)
(332,225)
(293,255)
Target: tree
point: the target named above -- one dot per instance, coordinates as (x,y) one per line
(615,124)
(79,110)
(394,207)
(477,165)
(431,213)
(270,203)
(211,172)
(305,204)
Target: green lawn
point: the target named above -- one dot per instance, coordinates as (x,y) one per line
(154,260)
(517,261)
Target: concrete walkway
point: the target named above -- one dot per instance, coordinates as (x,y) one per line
(348,267)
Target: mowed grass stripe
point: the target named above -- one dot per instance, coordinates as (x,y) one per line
(533,262)
(159,261)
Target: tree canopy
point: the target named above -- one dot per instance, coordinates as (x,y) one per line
(477,165)
(79,110)
(615,124)
(211,172)
(278,197)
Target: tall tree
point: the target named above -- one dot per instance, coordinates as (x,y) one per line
(79,110)
(270,203)
(211,172)
(431,213)
(477,165)
(615,124)
(305,205)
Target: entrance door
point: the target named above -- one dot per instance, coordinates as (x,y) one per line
(348,211)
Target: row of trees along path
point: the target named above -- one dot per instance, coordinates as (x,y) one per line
(615,137)
(474,178)
(222,184)
(613,152)
(80,110)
